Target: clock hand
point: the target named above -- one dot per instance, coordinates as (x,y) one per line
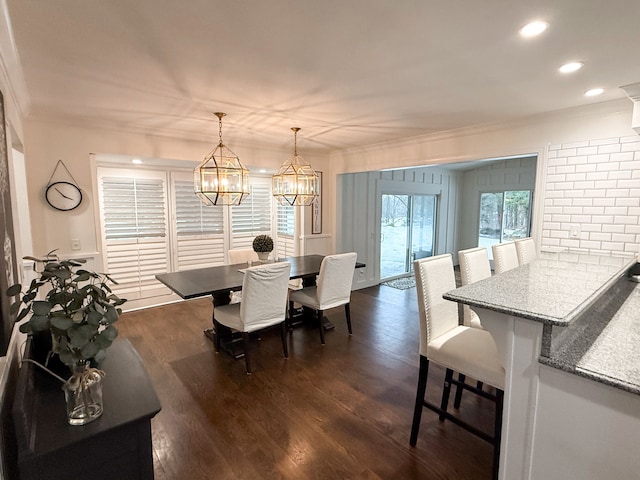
(68,198)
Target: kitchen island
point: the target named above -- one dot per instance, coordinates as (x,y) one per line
(566,328)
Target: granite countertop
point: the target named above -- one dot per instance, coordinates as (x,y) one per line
(603,344)
(554,289)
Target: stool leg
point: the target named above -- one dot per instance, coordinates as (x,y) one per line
(459,389)
(422,388)
(445,392)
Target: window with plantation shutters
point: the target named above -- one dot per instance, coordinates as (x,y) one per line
(253,216)
(134,222)
(285,230)
(199,228)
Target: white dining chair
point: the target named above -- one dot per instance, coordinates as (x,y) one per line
(263,305)
(458,348)
(332,289)
(526,250)
(242,255)
(474,266)
(505,257)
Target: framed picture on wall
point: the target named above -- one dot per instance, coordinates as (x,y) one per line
(316,209)
(8,263)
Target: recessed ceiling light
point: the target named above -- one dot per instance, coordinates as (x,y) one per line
(262,170)
(571,67)
(593,92)
(533,29)
(137,161)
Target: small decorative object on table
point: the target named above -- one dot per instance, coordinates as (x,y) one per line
(263,246)
(77,313)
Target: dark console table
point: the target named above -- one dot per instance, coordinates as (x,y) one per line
(115,446)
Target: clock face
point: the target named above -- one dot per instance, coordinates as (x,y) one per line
(63,195)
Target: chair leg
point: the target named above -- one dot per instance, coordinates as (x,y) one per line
(417,411)
(291,313)
(497,433)
(283,335)
(320,326)
(217,332)
(479,385)
(347,311)
(459,389)
(446,390)
(247,356)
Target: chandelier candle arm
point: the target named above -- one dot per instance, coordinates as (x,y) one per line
(221,179)
(295,183)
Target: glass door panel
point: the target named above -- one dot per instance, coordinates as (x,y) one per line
(422,227)
(394,229)
(407,232)
(504,216)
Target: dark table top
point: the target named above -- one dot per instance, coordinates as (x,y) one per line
(40,411)
(224,278)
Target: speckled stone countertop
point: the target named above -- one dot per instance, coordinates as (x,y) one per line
(603,343)
(553,289)
(588,295)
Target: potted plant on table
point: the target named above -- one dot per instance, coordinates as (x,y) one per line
(263,246)
(76,310)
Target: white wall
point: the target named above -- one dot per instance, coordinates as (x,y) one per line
(533,135)
(593,195)
(46,143)
(359,215)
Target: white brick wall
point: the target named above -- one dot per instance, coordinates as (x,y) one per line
(593,191)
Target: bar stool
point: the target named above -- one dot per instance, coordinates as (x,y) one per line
(505,257)
(526,250)
(468,351)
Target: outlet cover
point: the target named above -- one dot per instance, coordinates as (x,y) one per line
(75,244)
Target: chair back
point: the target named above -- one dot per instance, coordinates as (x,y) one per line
(242,255)
(526,250)
(264,295)
(505,257)
(474,266)
(435,277)
(335,280)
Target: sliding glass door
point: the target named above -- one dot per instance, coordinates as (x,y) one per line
(407,227)
(504,216)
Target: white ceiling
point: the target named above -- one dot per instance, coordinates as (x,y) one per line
(349,72)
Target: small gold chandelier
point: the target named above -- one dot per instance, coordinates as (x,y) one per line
(295,183)
(221,179)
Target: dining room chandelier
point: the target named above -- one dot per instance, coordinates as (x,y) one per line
(221,179)
(295,183)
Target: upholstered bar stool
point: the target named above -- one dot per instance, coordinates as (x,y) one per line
(458,348)
(526,250)
(505,257)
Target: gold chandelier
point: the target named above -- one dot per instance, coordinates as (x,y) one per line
(221,179)
(295,183)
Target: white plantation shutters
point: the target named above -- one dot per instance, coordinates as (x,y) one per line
(134,220)
(285,230)
(253,216)
(199,229)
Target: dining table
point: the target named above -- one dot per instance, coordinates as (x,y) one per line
(219,281)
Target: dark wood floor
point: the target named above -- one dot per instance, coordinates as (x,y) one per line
(337,411)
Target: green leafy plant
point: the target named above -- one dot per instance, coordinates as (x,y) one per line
(78,309)
(262,243)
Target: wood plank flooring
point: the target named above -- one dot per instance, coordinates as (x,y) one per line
(337,411)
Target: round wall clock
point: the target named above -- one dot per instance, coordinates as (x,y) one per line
(63,195)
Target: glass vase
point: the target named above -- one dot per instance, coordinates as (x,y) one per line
(83,395)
